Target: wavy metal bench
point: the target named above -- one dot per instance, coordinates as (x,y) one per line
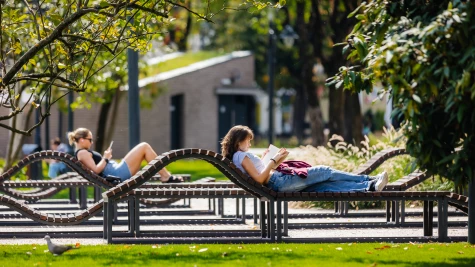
(268,220)
(74,179)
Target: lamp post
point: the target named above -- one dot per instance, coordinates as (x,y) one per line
(133,93)
(288,36)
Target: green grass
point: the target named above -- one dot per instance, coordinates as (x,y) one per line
(353,254)
(181,61)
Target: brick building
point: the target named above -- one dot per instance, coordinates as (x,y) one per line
(201,102)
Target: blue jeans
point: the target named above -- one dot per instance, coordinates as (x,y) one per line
(57,168)
(319,179)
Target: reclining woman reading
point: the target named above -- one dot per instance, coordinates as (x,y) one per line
(104,166)
(235,146)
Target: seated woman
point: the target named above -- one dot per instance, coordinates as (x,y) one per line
(235,146)
(102,165)
(57,167)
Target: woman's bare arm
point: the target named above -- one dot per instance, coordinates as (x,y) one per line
(85,157)
(252,171)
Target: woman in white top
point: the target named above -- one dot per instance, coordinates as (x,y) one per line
(236,144)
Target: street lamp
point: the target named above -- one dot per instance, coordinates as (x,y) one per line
(288,36)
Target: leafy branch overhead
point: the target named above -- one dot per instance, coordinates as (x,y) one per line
(54,44)
(423,55)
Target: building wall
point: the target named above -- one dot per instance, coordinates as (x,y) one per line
(200,110)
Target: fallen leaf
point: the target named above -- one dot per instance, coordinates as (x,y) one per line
(45,251)
(406,248)
(203,250)
(28,253)
(321,249)
(460,252)
(369,252)
(431,248)
(338,248)
(373,264)
(178,254)
(224,254)
(154,246)
(78,245)
(350,244)
(240,247)
(34,248)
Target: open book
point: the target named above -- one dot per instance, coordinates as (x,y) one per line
(273,150)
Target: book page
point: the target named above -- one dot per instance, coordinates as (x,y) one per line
(273,150)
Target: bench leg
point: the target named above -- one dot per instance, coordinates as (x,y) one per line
(262,218)
(428,217)
(396,211)
(442,214)
(131,214)
(237,208)
(243,203)
(73,195)
(137,216)
(335,205)
(97,193)
(271,223)
(104,220)
(388,211)
(254,217)
(82,197)
(110,213)
(286,218)
(279,220)
(403,211)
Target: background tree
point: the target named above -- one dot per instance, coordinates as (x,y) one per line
(423,52)
(55,44)
(319,24)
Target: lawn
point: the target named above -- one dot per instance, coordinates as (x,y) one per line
(179,62)
(352,254)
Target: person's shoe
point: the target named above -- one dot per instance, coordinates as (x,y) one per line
(382,181)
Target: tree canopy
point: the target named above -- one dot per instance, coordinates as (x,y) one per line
(423,53)
(60,44)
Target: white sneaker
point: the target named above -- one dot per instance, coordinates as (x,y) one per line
(382,181)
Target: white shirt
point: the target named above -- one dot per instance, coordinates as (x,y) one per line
(239,156)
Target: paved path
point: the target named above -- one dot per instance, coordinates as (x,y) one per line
(230,209)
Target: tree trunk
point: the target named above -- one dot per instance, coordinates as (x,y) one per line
(316,125)
(113,118)
(102,126)
(471,209)
(307,61)
(186,32)
(336,116)
(15,140)
(353,119)
(300,105)
(106,122)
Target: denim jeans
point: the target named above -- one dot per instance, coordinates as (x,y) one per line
(319,179)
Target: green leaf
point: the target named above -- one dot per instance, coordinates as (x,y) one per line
(356,10)
(32,61)
(104,4)
(416,98)
(446,159)
(61,66)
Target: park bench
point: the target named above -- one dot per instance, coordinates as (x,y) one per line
(271,217)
